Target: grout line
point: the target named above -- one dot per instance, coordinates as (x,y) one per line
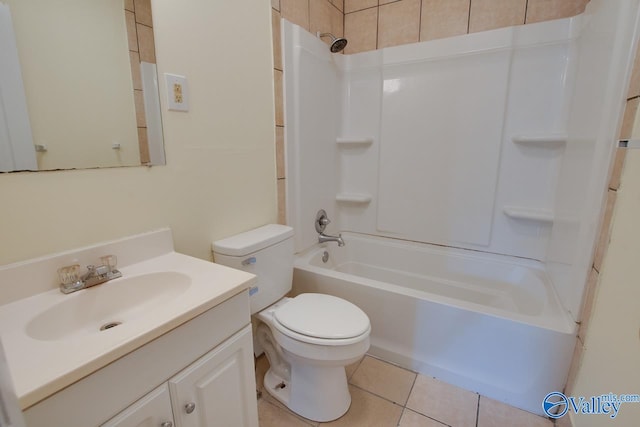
(360,10)
(377,24)
(144,25)
(427,416)
(420,20)
(343,21)
(331,3)
(469,18)
(377,395)
(389,363)
(526,10)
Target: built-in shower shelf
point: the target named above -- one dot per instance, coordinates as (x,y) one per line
(359,198)
(548,140)
(530,214)
(354,141)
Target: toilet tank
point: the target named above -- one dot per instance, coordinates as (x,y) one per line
(266,252)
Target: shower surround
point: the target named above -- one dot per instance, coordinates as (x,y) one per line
(498,142)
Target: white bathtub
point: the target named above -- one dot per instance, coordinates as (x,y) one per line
(488,323)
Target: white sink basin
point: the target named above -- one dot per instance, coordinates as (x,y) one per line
(101,308)
(53,340)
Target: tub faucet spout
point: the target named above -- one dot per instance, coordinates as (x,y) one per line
(326,238)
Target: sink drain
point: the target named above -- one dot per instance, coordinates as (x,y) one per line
(109,325)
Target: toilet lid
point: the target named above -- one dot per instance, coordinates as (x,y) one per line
(322,316)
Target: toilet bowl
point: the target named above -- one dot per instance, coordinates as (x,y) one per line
(308,339)
(313,382)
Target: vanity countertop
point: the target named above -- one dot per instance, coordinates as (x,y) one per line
(43,365)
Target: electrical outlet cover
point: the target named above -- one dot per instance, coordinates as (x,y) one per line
(177,92)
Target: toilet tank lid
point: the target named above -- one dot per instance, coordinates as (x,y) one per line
(253,240)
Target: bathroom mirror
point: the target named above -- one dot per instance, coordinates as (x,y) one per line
(84,85)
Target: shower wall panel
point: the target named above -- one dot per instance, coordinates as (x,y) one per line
(440,147)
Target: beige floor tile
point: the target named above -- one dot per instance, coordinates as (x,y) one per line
(443,402)
(497,414)
(270,415)
(384,379)
(413,419)
(368,410)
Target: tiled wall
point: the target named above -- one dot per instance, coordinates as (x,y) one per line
(375,24)
(141,48)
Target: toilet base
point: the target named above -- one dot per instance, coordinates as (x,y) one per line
(318,393)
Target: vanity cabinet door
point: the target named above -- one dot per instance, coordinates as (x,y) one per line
(153,410)
(218,390)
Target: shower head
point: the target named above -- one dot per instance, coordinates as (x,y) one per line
(337,43)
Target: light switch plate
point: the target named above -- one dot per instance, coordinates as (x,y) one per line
(177,92)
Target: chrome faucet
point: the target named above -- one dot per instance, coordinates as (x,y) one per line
(322,220)
(71,281)
(326,238)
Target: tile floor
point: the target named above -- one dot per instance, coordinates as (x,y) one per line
(385,395)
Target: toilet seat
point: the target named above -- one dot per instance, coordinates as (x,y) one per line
(321,319)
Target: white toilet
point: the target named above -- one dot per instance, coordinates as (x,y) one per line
(308,339)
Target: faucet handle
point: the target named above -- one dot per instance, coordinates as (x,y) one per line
(69,274)
(322,220)
(109,261)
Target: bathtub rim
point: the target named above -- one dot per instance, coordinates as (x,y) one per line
(554,316)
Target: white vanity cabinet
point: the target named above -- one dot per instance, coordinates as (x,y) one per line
(215,391)
(218,390)
(198,374)
(153,410)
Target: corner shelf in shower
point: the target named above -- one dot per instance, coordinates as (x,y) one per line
(542,140)
(357,198)
(530,214)
(354,141)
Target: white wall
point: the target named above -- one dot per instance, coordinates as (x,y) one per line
(611,354)
(220,173)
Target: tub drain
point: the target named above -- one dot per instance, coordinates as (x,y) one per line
(109,325)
